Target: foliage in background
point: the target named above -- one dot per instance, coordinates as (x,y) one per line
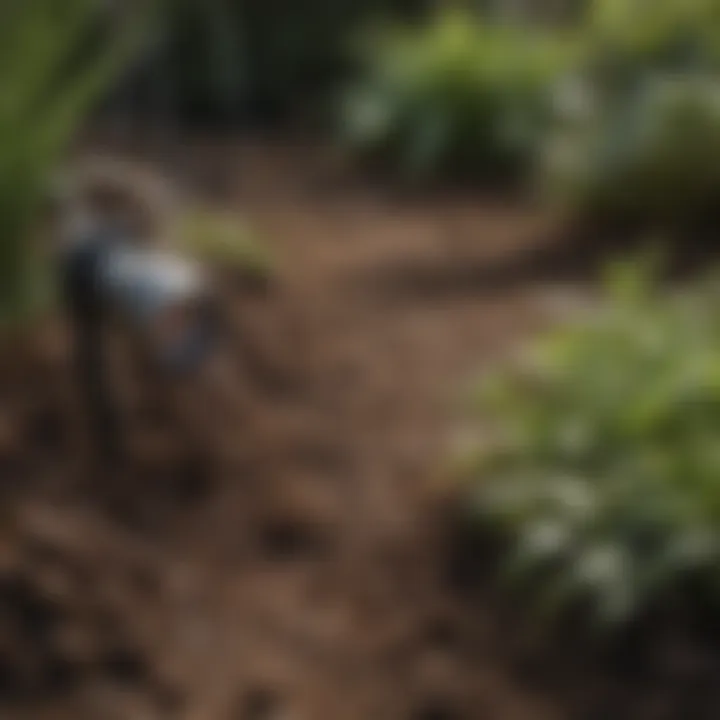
(601,464)
(53,66)
(455,97)
(653,154)
(243,61)
(617,109)
(298,53)
(677,35)
(637,132)
(198,59)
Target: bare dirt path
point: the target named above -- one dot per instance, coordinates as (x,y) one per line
(336,602)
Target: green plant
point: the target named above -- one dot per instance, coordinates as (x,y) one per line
(601,464)
(636,133)
(455,96)
(652,153)
(677,35)
(222,239)
(54,63)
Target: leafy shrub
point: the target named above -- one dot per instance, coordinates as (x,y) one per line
(653,153)
(454,97)
(53,66)
(636,133)
(602,465)
(678,35)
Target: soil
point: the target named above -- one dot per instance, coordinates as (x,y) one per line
(280,550)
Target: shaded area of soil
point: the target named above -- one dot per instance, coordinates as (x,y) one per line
(279,550)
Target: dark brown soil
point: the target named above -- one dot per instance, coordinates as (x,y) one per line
(280,552)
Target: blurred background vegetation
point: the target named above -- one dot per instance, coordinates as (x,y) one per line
(599,104)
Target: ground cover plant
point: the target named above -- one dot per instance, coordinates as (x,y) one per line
(601,469)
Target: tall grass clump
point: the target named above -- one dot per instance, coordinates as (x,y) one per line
(600,462)
(55,60)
